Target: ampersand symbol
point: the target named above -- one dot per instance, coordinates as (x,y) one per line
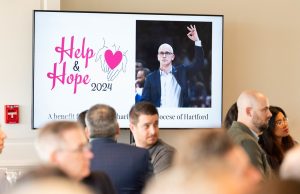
(76,67)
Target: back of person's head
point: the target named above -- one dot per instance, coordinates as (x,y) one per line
(101,121)
(211,148)
(178,180)
(50,185)
(230,116)
(290,168)
(50,137)
(81,118)
(141,108)
(204,145)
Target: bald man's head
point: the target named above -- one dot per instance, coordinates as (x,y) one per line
(253,110)
(165,56)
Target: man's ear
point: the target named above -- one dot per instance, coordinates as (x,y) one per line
(131,127)
(117,130)
(173,57)
(53,158)
(249,111)
(87,132)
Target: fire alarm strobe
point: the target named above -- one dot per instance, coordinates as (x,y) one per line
(11,114)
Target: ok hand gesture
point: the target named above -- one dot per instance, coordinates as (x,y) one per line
(193,35)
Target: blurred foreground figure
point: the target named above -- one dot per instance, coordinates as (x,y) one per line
(179,180)
(50,185)
(2,138)
(290,167)
(4,183)
(63,144)
(205,149)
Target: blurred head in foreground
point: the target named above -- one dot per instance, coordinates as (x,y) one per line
(64,144)
(50,185)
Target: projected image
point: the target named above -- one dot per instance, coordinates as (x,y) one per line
(175,57)
(85,58)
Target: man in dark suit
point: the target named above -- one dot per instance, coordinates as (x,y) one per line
(168,87)
(253,118)
(127,166)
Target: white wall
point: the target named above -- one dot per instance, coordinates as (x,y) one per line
(16,18)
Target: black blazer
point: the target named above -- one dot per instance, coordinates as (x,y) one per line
(100,183)
(152,88)
(127,166)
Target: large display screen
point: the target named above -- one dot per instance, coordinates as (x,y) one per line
(85,58)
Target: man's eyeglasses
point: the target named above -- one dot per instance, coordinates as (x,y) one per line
(80,149)
(165,53)
(281,122)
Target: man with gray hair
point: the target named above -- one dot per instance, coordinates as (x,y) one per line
(63,144)
(127,166)
(253,118)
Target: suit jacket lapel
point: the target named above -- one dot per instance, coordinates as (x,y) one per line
(157,82)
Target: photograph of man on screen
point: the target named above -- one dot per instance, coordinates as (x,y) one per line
(177,55)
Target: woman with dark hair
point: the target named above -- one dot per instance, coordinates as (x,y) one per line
(276,139)
(230,116)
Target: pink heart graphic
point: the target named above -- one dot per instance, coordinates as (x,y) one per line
(113,60)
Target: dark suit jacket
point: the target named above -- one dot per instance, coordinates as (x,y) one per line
(127,166)
(100,183)
(242,135)
(152,88)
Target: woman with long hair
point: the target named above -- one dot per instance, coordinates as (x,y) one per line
(276,139)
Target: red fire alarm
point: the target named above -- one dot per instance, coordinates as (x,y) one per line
(11,114)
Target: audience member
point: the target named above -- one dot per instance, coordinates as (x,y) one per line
(275,140)
(205,149)
(253,118)
(144,127)
(81,118)
(64,144)
(127,166)
(2,138)
(4,184)
(230,116)
(290,168)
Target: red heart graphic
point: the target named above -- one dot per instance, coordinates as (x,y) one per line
(113,60)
